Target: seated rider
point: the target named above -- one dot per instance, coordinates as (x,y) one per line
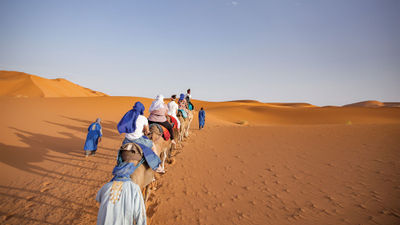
(121,200)
(134,124)
(158,115)
(173,109)
(188,98)
(182,103)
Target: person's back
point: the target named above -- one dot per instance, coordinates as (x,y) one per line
(121,200)
(202,118)
(93,137)
(158,115)
(172,108)
(120,203)
(141,122)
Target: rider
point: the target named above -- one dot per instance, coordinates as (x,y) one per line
(188,98)
(121,200)
(173,109)
(134,124)
(158,114)
(182,103)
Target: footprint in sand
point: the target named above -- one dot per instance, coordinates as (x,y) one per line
(29,198)
(45,183)
(7,217)
(28,205)
(44,189)
(172,161)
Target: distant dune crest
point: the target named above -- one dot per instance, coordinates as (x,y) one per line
(23,85)
(373,104)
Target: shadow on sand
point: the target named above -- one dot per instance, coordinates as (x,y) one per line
(69,168)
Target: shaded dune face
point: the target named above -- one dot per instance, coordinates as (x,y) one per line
(17,84)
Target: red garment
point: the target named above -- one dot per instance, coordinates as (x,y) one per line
(173,120)
(166,134)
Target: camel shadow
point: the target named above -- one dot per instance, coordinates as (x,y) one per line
(26,199)
(105,124)
(108,132)
(65,164)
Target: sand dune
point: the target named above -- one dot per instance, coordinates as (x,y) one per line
(298,165)
(274,113)
(18,84)
(254,163)
(373,104)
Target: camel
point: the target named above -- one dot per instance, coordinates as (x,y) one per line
(164,147)
(144,175)
(185,124)
(178,140)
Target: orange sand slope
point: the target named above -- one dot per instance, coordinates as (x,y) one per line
(254,112)
(254,163)
(18,84)
(289,165)
(373,104)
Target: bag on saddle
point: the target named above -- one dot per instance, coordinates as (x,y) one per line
(141,151)
(173,121)
(166,134)
(164,131)
(190,106)
(184,114)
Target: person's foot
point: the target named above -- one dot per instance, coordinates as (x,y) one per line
(160,170)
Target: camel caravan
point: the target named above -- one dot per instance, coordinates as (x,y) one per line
(148,144)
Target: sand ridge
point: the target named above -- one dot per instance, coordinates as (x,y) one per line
(373,104)
(18,84)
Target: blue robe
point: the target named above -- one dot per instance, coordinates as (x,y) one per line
(202,118)
(92,139)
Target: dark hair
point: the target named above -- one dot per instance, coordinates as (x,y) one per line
(188,90)
(201,108)
(173,96)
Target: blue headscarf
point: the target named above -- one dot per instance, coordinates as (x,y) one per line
(123,171)
(181,97)
(128,122)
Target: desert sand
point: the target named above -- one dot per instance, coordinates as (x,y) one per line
(253,163)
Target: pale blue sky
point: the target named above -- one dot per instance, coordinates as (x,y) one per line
(325,52)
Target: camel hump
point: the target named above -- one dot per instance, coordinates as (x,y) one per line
(131,151)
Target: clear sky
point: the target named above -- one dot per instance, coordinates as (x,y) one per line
(325,52)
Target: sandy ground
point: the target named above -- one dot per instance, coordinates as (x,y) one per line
(288,164)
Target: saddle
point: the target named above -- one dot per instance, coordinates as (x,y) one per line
(172,121)
(161,130)
(131,151)
(182,113)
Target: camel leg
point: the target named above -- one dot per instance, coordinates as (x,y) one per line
(170,151)
(163,161)
(147,193)
(187,132)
